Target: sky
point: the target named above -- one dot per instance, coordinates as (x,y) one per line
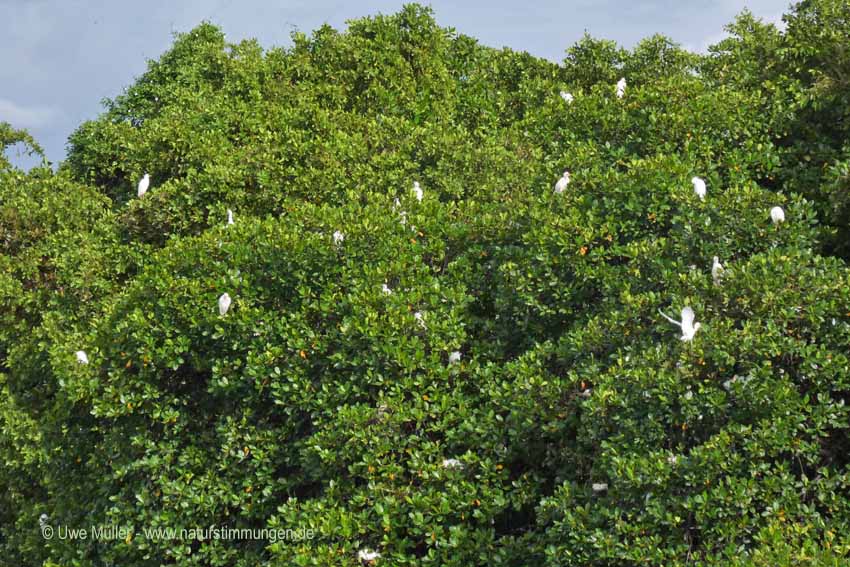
(60,58)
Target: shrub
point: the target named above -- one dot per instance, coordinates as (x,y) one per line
(477,377)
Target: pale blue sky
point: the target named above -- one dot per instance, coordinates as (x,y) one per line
(60,58)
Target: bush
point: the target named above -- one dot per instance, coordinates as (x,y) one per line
(477,377)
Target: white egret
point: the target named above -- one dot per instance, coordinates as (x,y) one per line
(143,185)
(229,217)
(689,328)
(386,289)
(420,318)
(777,215)
(621,87)
(224,304)
(417,190)
(367,555)
(338,237)
(599,486)
(82,357)
(562,183)
(716,271)
(454,357)
(568,97)
(452,464)
(699,187)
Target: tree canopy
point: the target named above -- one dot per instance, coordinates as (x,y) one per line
(477,377)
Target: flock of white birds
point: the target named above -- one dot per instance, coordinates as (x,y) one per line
(687,321)
(687,317)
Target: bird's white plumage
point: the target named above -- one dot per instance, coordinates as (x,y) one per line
(82,357)
(452,464)
(699,187)
(367,555)
(454,357)
(777,215)
(229,217)
(224,302)
(143,185)
(568,97)
(599,486)
(338,237)
(716,270)
(562,183)
(417,191)
(386,289)
(621,87)
(689,328)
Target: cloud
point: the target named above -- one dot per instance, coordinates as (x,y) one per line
(25,116)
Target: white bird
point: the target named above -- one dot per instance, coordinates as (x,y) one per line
(224,304)
(144,184)
(689,328)
(568,97)
(338,237)
(621,87)
(599,486)
(386,289)
(367,555)
(420,318)
(454,357)
(42,520)
(229,217)
(699,187)
(777,215)
(82,357)
(417,190)
(716,271)
(562,183)
(452,464)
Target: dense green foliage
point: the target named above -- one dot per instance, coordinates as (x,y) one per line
(321,401)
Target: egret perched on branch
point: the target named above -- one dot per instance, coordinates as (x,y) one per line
(699,187)
(562,183)
(82,357)
(716,271)
(621,87)
(229,217)
(338,237)
(777,215)
(417,190)
(224,304)
(689,328)
(568,97)
(143,185)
